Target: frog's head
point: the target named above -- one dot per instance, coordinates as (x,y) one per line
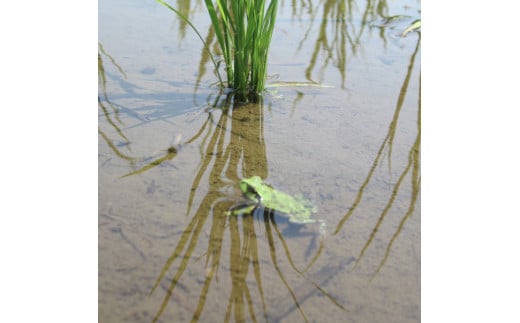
(250,187)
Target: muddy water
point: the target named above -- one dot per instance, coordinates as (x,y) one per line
(172,150)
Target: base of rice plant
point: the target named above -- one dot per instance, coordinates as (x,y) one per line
(244,30)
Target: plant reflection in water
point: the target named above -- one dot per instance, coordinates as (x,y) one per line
(108,108)
(234,142)
(413,164)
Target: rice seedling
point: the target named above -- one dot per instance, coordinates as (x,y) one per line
(244,30)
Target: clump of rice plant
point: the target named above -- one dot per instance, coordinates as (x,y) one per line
(244,30)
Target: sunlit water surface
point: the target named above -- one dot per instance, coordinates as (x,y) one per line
(172,150)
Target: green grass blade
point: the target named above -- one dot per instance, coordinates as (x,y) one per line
(243,29)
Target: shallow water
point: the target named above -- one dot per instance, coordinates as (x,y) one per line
(172,150)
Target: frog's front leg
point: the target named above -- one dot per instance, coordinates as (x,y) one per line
(244,208)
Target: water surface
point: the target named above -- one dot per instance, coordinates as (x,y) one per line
(172,149)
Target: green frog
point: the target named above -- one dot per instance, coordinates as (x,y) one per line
(297,209)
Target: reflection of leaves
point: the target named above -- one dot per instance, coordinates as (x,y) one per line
(338,16)
(112,60)
(308,288)
(171,153)
(280,274)
(345,31)
(235,143)
(223,160)
(416,183)
(413,163)
(103,83)
(189,239)
(113,147)
(216,140)
(114,123)
(416,25)
(187,21)
(387,21)
(247,253)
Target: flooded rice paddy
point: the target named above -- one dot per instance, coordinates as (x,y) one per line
(339,125)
